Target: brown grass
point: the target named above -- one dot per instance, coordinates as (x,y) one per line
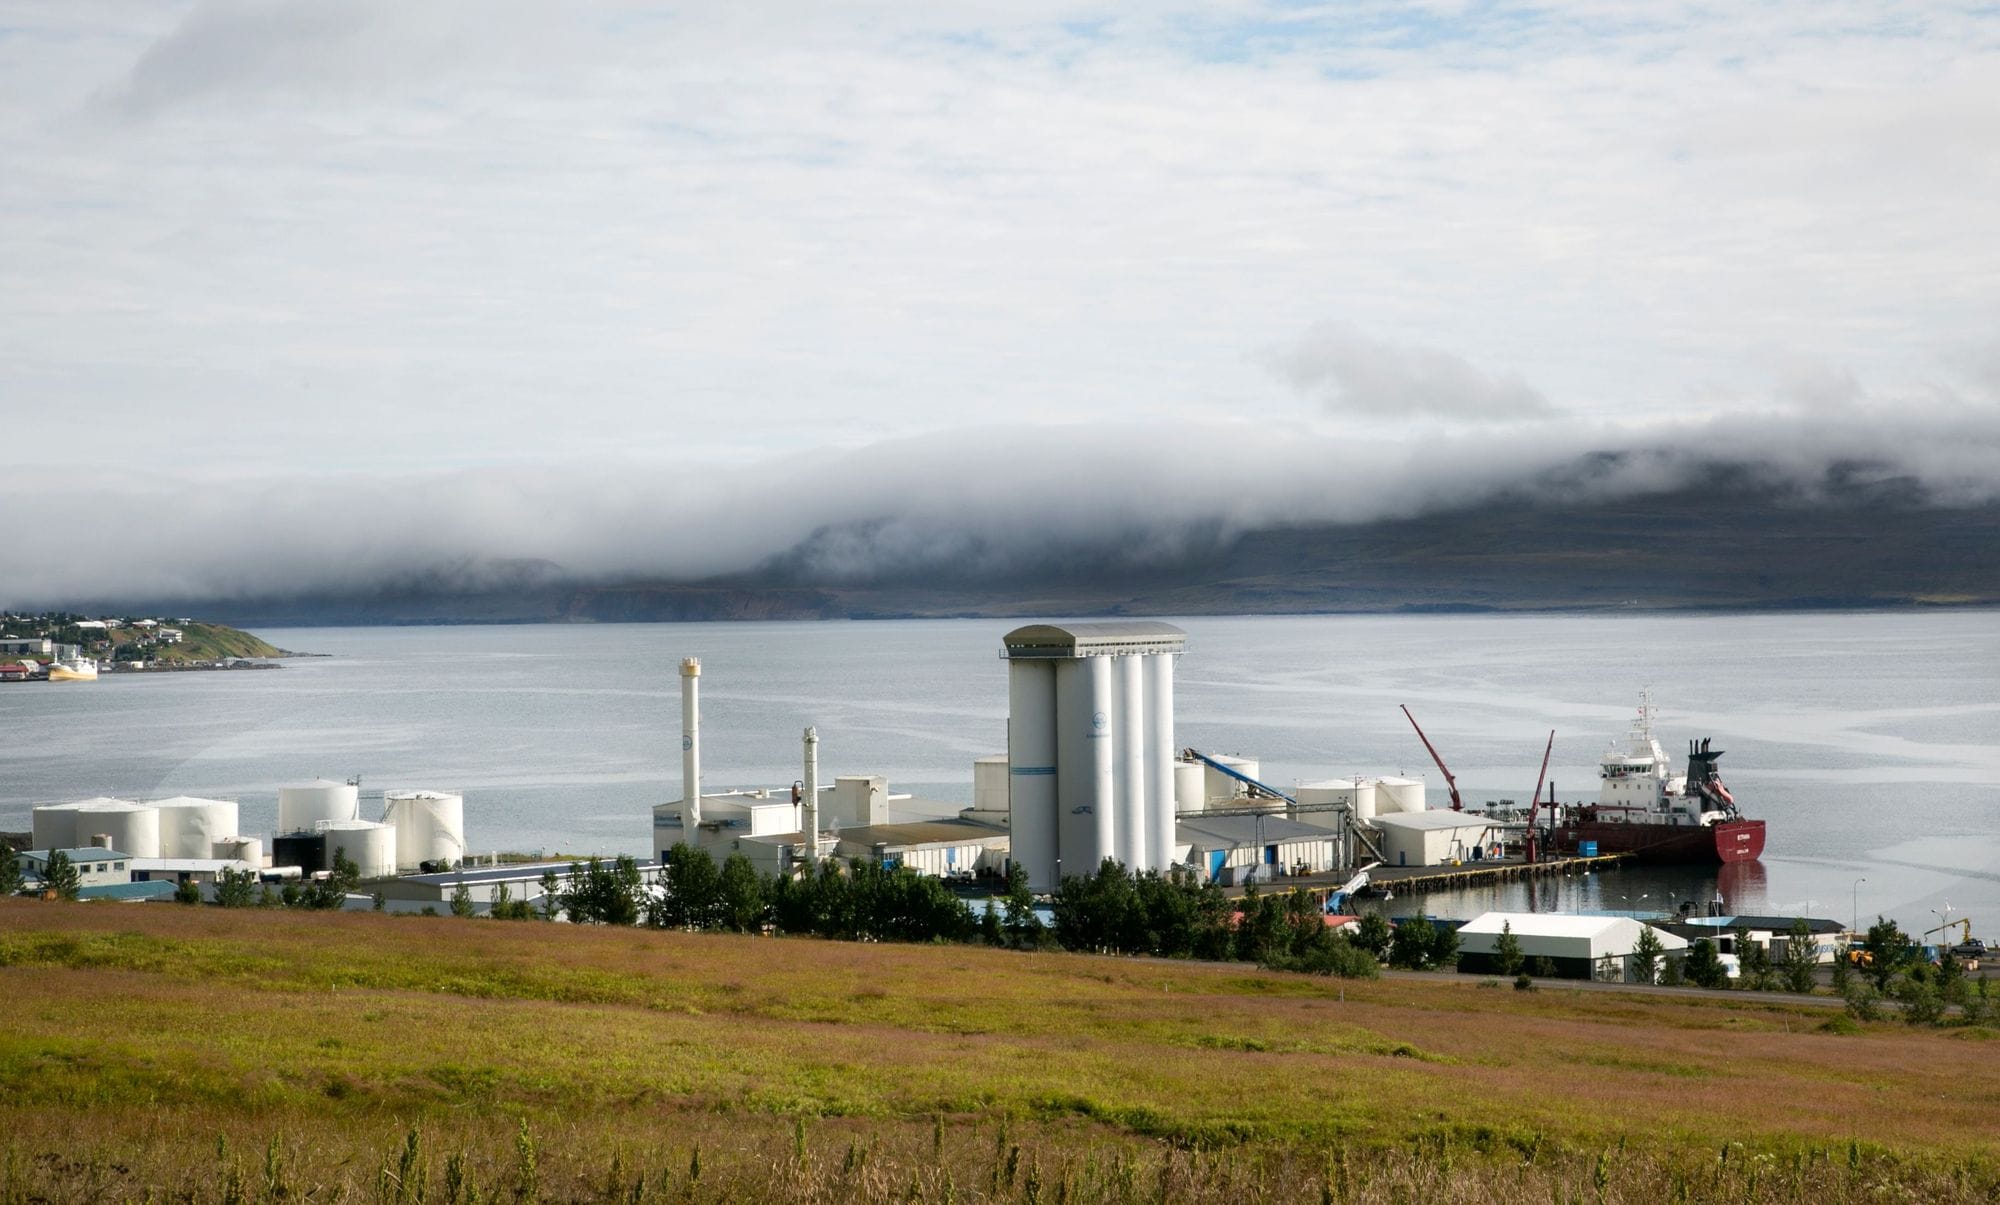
(137,1037)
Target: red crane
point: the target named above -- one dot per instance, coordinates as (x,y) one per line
(1450,783)
(1528,846)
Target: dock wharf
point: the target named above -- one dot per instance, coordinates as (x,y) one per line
(1418,879)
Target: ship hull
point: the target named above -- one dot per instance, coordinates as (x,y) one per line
(1727,841)
(65,673)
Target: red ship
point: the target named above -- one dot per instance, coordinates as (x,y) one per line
(1644,809)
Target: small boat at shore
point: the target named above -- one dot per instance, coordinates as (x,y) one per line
(80,669)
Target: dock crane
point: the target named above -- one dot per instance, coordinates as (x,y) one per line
(1451,784)
(1529,845)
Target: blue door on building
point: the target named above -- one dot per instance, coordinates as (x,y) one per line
(1217,858)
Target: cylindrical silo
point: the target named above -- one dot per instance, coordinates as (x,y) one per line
(54,826)
(1162,786)
(1221,786)
(190,827)
(1128,694)
(303,809)
(430,826)
(369,845)
(134,828)
(1031,770)
(1084,781)
(1399,795)
(241,849)
(1190,786)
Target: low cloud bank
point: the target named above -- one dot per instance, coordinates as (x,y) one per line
(972,505)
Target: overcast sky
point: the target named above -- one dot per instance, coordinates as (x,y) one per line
(346,244)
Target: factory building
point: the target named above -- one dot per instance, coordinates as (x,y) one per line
(1090,746)
(1581,947)
(949,848)
(1435,838)
(1229,849)
(95,865)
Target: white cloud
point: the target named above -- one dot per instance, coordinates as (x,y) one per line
(1354,374)
(370,237)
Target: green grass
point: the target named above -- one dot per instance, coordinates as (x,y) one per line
(136,1032)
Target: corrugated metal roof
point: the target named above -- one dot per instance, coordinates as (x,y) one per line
(922,832)
(157,890)
(1249,830)
(1048,640)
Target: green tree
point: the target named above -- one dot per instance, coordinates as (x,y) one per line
(187,891)
(236,888)
(551,885)
(603,894)
(1372,934)
(1843,969)
(740,896)
(690,890)
(61,876)
(1922,1003)
(1507,956)
(461,900)
(1801,962)
(1410,947)
(1753,962)
(1444,947)
(1888,950)
(1024,930)
(1646,953)
(10,871)
(1703,967)
(990,930)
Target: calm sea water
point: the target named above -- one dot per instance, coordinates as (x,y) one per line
(1869,742)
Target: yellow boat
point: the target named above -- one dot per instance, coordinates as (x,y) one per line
(80,670)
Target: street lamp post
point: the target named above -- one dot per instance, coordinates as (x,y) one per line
(1853,901)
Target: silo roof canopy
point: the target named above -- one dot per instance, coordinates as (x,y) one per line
(1048,641)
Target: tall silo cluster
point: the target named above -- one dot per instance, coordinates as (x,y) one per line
(1090,746)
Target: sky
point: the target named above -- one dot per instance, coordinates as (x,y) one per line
(360,285)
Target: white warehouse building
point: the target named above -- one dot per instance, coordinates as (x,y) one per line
(1435,838)
(1581,947)
(1090,746)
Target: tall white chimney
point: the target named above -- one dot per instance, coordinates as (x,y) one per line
(690,745)
(810,826)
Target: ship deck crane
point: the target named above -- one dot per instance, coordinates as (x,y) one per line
(1529,846)
(1451,784)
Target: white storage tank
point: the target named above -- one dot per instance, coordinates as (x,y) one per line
(369,845)
(304,809)
(430,826)
(190,827)
(1394,795)
(1357,793)
(54,826)
(1190,786)
(238,849)
(1220,786)
(134,828)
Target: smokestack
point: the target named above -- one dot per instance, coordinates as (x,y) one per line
(810,826)
(690,745)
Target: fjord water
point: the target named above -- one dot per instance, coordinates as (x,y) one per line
(1870,742)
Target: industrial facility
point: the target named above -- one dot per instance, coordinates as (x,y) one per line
(1090,747)
(190,839)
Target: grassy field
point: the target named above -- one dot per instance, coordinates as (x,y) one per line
(202,1054)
